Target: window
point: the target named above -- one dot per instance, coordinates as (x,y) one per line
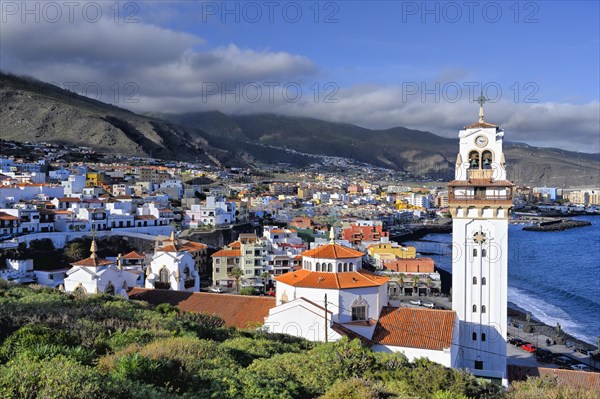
(474,308)
(164,275)
(359,312)
(474,335)
(487,160)
(483,281)
(474,160)
(474,280)
(339,267)
(483,336)
(474,252)
(218,270)
(351,269)
(329,267)
(483,252)
(483,309)
(217,261)
(478,365)
(318,267)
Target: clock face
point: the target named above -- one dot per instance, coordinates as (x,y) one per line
(481,141)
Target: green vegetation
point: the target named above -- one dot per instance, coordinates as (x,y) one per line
(54,345)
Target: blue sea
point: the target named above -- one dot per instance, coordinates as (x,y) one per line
(553,275)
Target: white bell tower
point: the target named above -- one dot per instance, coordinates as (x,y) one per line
(479,199)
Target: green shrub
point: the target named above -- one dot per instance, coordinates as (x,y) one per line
(248,291)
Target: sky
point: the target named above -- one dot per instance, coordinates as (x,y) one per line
(375,64)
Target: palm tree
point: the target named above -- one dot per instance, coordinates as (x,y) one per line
(74,251)
(237,274)
(401,282)
(415,282)
(265,276)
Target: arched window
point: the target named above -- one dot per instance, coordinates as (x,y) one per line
(483,309)
(483,336)
(474,252)
(487,160)
(318,267)
(474,308)
(483,252)
(474,160)
(163,279)
(351,267)
(483,281)
(329,267)
(345,266)
(339,267)
(474,280)
(110,289)
(474,336)
(359,309)
(186,273)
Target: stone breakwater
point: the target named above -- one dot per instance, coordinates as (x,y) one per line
(558,225)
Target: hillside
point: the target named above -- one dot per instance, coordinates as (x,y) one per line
(31,110)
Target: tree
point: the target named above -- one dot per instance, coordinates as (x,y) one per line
(415,282)
(75,251)
(237,274)
(265,276)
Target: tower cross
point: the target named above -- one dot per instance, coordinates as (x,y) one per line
(481,100)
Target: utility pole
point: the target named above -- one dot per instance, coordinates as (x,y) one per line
(325,318)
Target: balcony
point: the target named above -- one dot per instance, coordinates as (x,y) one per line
(481,198)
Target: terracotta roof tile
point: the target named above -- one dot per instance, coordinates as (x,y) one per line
(344,280)
(133,255)
(6,216)
(480,125)
(93,261)
(236,310)
(415,328)
(229,253)
(332,251)
(235,244)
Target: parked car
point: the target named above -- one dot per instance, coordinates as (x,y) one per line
(543,355)
(216,289)
(516,341)
(429,305)
(417,302)
(528,347)
(562,361)
(581,367)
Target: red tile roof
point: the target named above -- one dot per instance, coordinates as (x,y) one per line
(332,251)
(344,280)
(229,253)
(133,255)
(415,328)
(93,261)
(571,378)
(236,310)
(6,216)
(480,125)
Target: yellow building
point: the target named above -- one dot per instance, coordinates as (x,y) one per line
(392,249)
(92,179)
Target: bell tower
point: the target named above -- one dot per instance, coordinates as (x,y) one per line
(479,199)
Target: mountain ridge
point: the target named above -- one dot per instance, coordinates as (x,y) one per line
(31,110)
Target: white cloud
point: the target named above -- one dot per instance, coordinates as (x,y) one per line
(171,71)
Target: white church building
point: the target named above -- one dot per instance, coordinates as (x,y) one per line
(173,267)
(94,275)
(332,296)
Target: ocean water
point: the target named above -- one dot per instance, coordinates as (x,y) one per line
(553,275)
